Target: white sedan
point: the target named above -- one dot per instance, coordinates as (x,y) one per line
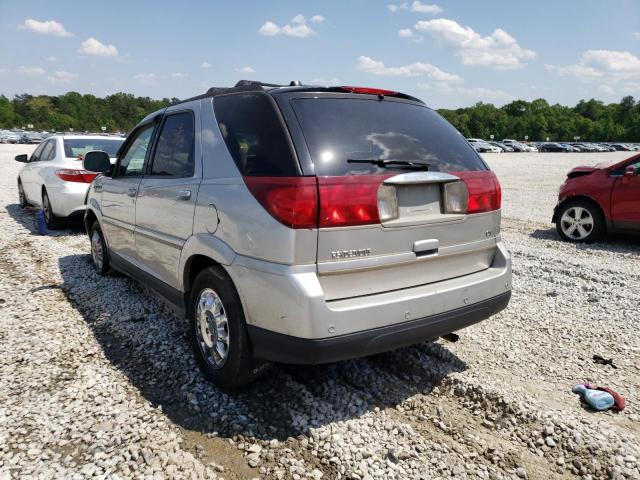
(53,178)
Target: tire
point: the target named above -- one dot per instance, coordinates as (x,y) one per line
(21,196)
(580,221)
(99,250)
(53,222)
(223,354)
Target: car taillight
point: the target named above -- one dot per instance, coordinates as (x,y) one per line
(78,176)
(483,190)
(293,201)
(349,200)
(368,91)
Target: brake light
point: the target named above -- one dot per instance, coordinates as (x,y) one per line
(349,200)
(369,91)
(485,194)
(293,201)
(77,176)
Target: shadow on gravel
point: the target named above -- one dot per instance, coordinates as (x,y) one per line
(148,344)
(27,218)
(613,243)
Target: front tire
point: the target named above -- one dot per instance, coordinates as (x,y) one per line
(99,250)
(218,333)
(580,221)
(22,198)
(53,222)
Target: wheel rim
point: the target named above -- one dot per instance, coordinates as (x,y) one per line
(212,328)
(21,194)
(46,207)
(97,252)
(577,223)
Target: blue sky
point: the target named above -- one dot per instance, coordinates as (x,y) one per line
(449,53)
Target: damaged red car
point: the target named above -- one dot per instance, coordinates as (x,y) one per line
(595,201)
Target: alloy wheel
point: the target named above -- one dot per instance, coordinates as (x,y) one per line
(212,328)
(97,250)
(577,223)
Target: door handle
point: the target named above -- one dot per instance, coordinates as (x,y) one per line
(184,195)
(132,192)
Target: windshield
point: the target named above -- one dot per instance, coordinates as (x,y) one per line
(341,129)
(74,147)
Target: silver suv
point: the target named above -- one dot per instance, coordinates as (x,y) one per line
(302,224)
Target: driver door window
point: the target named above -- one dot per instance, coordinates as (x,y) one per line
(131,164)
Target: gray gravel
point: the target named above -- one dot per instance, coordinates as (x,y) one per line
(97,380)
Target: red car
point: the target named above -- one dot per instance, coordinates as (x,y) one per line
(597,200)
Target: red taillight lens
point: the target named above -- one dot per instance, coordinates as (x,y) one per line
(485,194)
(78,176)
(369,91)
(293,201)
(349,200)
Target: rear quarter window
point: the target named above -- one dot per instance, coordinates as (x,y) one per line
(255,135)
(337,130)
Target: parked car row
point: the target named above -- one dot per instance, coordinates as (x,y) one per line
(510,145)
(32,137)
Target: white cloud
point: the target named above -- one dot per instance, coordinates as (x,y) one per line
(486,94)
(206,65)
(146,78)
(48,27)
(94,47)
(297,28)
(326,81)
(248,70)
(30,71)
(394,8)
(405,33)
(636,35)
(4,71)
(607,68)
(606,89)
(179,75)
(51,59)
(499,50)
(62,76)
(420,7)
(369,65)
(317,19)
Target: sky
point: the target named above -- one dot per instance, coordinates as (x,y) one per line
(450,53)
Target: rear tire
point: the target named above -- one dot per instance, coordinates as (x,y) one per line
(53,222)
(218,332)
(580,221)
(99,250)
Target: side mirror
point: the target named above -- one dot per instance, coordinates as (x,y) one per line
(22,158)
(97,161)
(630,171)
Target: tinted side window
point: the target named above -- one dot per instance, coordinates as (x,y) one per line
(35,156)
(132,161)
(46,151)
(254,135)
(174,154)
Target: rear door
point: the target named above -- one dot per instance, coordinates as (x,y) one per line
(415,240)
(625,200)
(167,194)
(27,174)
(36,171)
(119,193)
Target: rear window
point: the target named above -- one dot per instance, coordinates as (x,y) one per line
(74,147)
(337,130)
(254,135)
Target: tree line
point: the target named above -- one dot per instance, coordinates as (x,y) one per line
(591,120)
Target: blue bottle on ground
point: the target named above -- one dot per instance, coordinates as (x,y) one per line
(596,399)
(41,223)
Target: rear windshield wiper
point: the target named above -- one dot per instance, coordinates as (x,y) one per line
(383,163)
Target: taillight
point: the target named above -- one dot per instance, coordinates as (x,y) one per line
(484,193)
(349,200)
(78,176)
(293,201)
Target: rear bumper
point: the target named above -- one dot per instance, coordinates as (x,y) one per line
(67,198)
(278,347)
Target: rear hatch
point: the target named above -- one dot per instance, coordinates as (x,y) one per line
(404,200)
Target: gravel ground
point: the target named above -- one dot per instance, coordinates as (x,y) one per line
(97,380)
